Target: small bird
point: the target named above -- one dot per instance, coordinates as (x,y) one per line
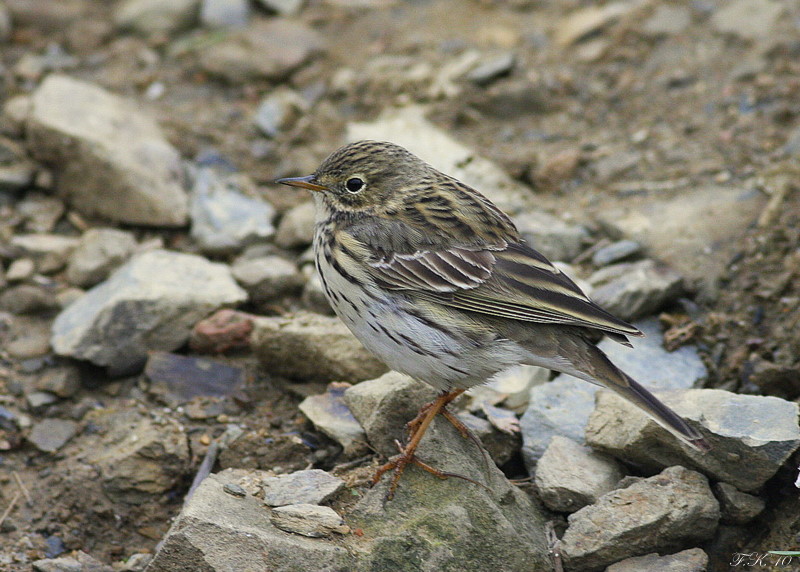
(437,282)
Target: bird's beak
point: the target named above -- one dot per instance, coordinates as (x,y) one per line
(308,182)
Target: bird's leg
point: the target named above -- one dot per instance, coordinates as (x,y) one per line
(417,428)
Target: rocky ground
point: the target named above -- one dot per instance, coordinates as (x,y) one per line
(160,317)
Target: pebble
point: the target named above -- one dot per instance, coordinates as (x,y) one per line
(551,236)
(177,379)
(750,19)
(27,299)
(667,20)
(63,381)
(99,252)
(330,415)
(154,17)
(222,331)
(49,435)
(16,177)
(737,507)
(491,69)
(296,228)
(41,212)
(584,22)
(224,13)
(313,296)
(224,218)
(616,252)
(234,490)
(301,487)
(278,110)
(49,251)
(20,270)
(309,520)
(267,278)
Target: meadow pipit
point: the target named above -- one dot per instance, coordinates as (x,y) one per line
(437,282)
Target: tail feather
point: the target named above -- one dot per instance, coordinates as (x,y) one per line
(663,415)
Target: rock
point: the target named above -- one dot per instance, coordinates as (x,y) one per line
(585,22)
(49,251)
(224,330)
(224,220)
(267,278)
(308,520)
(408,127)
(632,290)
(500,445)
(16,176)
(669,510)
(771,378)
(5,23)
(691,560)
(667,21)
(138,457)
(30,340)
(384,405)
(550,235)
(63,381)
(616,252)
(150,303)
(20,270)
(271,49)
(563,406)
(570,476)
(278,110)
(737,507)
(511,387)
(27,299)
(49,435)
(749,19)
(154,18)
(78,562)
(39,399)
(212,521)
(263,450)
(313,297)
(41,212)
(330,415)
(99,252)
(296,228)
(745,451)
(312,347)
(695,233)
(177,379)
(224,13)
(301,487)
(449,524)
(112,158)
(283,7)
(491,69)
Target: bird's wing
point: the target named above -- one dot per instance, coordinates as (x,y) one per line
(508,281)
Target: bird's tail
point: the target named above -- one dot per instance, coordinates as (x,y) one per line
(663,415)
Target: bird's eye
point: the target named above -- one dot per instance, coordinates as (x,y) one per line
(354,184)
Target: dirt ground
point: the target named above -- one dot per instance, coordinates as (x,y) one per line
(617,114)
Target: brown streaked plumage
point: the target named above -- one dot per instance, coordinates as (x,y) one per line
(436,281)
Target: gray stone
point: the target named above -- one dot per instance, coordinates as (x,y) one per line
(283,7)
(330,415)
(664,512)
(570,476)
(301,487)
(79,561)
(491,69)
(150,303)
(16,177)
(267,278)
(224,13)
(5,23)
(155,18)
(177,379)
(49,251)
(312,347)
(41,212)
(224,219)
(511,387)
(27,299)
(667,21)
(99,252)
(296,227)
(563,406)
(112,158)
(695,233)
(585,22)
(270,49)
(550,235)
(49,435)
(632,290)
(278,110)
(449,524)
(408,127)
(737,507)
(750,19)
(500,445)
(308,520)
(384,405)
(20,270)
(691,560)
(746,452)
(616,252)
(212,522)
(313,297)
(38,399)
(138,457)
(63,381)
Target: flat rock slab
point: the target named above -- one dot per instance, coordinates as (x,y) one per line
(692,560)
(330,415)
(673,508)
(150,303)
(112,158)
(301,487)
(49,435)
(312,347)
(751,435)
(176,379)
